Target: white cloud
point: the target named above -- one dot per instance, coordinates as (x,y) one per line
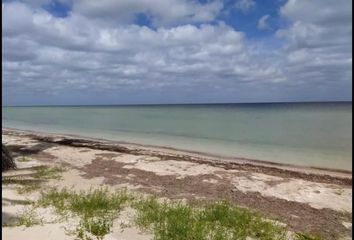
(245,5)
(77,52)
(98,50)
(319,40)
(160,12)
(263,22)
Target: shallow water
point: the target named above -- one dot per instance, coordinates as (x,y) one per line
(307,134)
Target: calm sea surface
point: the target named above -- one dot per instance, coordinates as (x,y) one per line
(309,134)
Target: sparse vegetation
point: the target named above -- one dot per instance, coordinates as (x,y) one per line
(98,202)
(23,185)
(28,188)
(305,236)
(220,220)
(27,218)
(96,209)
(47,172)
(92,228)
(28,185)
(339,191)
(23,159)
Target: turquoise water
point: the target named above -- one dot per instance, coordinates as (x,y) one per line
(307,134)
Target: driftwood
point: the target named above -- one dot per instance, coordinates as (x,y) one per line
(6,159)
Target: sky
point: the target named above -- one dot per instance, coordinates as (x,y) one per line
(77,52)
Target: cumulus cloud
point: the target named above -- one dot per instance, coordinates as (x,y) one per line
(245,5)
(80,53)
(263,22)
(318,41)
(99,51)
(160,12)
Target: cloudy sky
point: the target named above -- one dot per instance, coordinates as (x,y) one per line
(175,51)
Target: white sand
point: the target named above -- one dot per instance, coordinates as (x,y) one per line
(317,195)
(180,169)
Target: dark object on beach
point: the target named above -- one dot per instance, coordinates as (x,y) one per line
(6,159)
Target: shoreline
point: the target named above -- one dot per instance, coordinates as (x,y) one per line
(200,157)
(310,200)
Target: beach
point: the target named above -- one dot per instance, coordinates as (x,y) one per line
(177,120)
(301,198)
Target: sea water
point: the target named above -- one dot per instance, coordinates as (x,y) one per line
(306,134)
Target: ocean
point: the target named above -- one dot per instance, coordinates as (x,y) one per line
(304,134)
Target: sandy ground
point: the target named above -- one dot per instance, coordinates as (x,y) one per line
(319,201)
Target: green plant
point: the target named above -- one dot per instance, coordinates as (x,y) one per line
(93,228)
(220,221)
(55,198)
(27,188)
(27,218)
(306,236)
(47,172)
(86,204)
(96,209)
(97,202)
(23,159)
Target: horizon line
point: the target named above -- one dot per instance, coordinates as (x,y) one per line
(169,104)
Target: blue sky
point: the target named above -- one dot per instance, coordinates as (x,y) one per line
(175,51)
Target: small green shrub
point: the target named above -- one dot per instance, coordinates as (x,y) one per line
(93,228)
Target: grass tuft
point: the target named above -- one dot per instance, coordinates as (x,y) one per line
(47,172)
(28,188)
(96,209)
(23,159)
(98,202)
(219,221)
(92,228)
(27,218)
(306,236)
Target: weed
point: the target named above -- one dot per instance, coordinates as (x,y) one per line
(24,185)
(27,188)
(219,220)
(23,159)
(305,236)
(10,180)
(47,172)
(339,191)
(85,204)
(97,202)
(58,199)
(27,218)
(96,209)
(93,228)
